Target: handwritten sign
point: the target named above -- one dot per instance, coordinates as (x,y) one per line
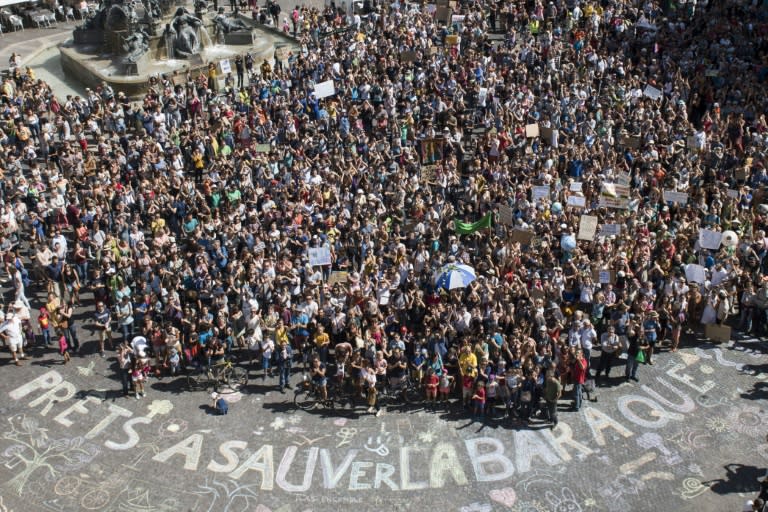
(695,273)
(709,239)
(575,186)
(605,277)
(522,236)
(506,215)
(532,130)
(408,56)
(623,178)
(587,227)
(319,256)
(226,66)
(325,89)
(610,230)
(672,196)
(652,92)
(262,148)
(540,192)
(428,173)
(338,277)
(577,201)
(732,193)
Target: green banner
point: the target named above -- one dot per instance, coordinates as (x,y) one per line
(464,228)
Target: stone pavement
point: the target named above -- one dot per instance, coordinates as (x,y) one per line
(689,436)
(29,42)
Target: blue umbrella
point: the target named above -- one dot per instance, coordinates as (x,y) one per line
(454,275)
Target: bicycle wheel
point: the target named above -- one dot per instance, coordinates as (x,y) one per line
(304,399)
(236,378)
(413,395)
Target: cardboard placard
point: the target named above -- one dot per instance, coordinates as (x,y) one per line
(717,333)
(709,239)
(522,236)
(451,40)
(549,135)
(532,130)
(732,193)
(606,277)
(631,141)
(179,79)
(428,173)
(587,227)
(262,148)
(575,186)
(443,14)
(540,192)
(672,196)
(408,56)
(742,173)
(338,277)
(325,89)
(506,215)
(319,256)
(623,178)
(431,151)
(577,201)
(225,66)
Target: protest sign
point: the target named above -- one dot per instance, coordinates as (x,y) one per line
(587,227)
(532,130)
(540,192)
(610,230)
(672,196)
(709,239)
(506,215)
(732,193)
(522,236)
(652,92)
(319,256)
(325,89)
(262,148)
(225,66)
(575,186)
(577,201)
(338,277)
(695,273)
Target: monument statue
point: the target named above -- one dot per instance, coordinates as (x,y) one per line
(227,24)
(136,45)
(182,32)
(113,15)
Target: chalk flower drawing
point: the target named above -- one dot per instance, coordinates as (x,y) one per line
(278,423)
(31,447)
(427,437)
(229,495)
(717,424)
(530,506)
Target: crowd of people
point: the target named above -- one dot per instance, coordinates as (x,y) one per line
(191,214)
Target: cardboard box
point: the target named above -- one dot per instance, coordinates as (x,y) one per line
(717,333)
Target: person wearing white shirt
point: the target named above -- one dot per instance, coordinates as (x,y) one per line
(11,332)
(609,345)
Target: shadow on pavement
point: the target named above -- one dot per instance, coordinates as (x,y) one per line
(738,479)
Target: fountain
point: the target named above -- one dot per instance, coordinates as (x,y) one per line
(126,42)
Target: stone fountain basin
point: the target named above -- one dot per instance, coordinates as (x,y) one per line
(91,66)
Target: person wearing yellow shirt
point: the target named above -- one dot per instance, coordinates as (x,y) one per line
(467,361)
(323,343)
(284,354)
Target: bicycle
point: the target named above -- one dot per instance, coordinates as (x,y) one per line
(201,377)
(307,396)
(407,391)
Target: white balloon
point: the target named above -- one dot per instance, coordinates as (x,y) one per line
(730,239)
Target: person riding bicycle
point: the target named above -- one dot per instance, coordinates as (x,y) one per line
(319,380)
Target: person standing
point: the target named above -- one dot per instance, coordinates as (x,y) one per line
(240,70)
(284,355)
(651,330)
(10,331)
(553,390)
(103,322)
(67,325)
(125,317)
(609,345)
(635,352)
(125,364)
(579,376)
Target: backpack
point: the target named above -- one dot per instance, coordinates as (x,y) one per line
(222,407)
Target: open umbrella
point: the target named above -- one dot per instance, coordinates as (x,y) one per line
(454,275)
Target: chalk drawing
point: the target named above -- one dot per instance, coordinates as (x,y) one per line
(541,476)
(340,422)
(530,506)
(506,496)
(693,440)
(477,507)
(708,402)
(295,430)
(659,475)
(39,454)
(228,495)
(653,440)
(692,488)
(295,419)
(3,508)
(159,407)
(748,419)
(633,466)
(278,423)
(305,441)
(426,437)
(762,450)
(87,371)
(346,434)
(377,446)
(566,502)
(695,469)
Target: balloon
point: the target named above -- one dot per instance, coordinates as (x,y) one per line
(556,207)
(568,243)
(730,239)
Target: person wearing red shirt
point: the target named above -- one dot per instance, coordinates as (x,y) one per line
(578,376)
(479,400)
(430,384)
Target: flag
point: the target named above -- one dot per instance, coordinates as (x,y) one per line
(465,228)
